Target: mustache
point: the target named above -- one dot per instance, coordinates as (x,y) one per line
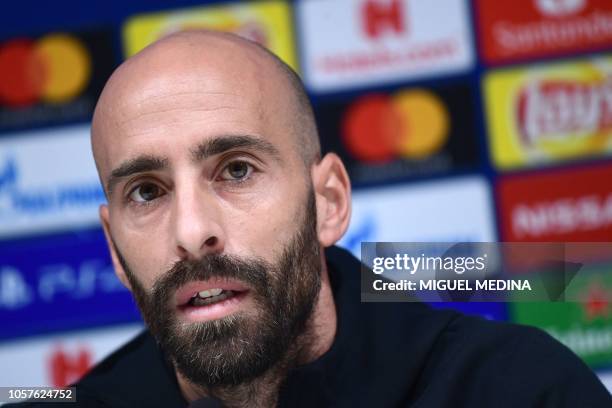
(253,272)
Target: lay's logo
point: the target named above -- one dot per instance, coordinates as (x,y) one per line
(555,110)
(547,114)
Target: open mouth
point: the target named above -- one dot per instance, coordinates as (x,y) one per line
(201,301)
(208,297)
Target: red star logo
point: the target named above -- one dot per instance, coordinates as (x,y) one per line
(596,302)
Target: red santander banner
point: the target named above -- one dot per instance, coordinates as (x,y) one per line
(570,205)
(521,29)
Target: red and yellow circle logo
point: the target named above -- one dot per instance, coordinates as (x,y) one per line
(411,124)
(54,69)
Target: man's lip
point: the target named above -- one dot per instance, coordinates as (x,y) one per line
(186,292)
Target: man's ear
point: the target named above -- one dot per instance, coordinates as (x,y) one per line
(119,271)
(333,195)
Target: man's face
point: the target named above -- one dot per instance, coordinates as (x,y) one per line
(211,215)
(237,346)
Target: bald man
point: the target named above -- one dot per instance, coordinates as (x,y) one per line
(221,220)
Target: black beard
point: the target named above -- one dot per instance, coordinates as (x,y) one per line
(241,347)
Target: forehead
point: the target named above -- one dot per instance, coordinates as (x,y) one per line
(174,105)
(173,108)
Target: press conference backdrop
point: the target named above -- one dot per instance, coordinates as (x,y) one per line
(458,121)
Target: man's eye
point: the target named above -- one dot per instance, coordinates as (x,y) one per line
(146,192)
(237,170)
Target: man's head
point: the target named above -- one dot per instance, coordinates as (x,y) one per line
(208,152)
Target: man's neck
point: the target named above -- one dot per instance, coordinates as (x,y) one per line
(316,340)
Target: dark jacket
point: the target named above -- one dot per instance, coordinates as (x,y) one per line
(384,355)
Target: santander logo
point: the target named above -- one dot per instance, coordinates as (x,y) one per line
(557,109)
(559,8)
(539,28)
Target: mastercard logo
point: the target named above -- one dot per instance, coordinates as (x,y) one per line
(410,124)
(54,69)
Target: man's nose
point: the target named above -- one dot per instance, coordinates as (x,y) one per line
(197,223)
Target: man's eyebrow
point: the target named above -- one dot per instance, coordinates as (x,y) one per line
(136,165)
(222,144)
